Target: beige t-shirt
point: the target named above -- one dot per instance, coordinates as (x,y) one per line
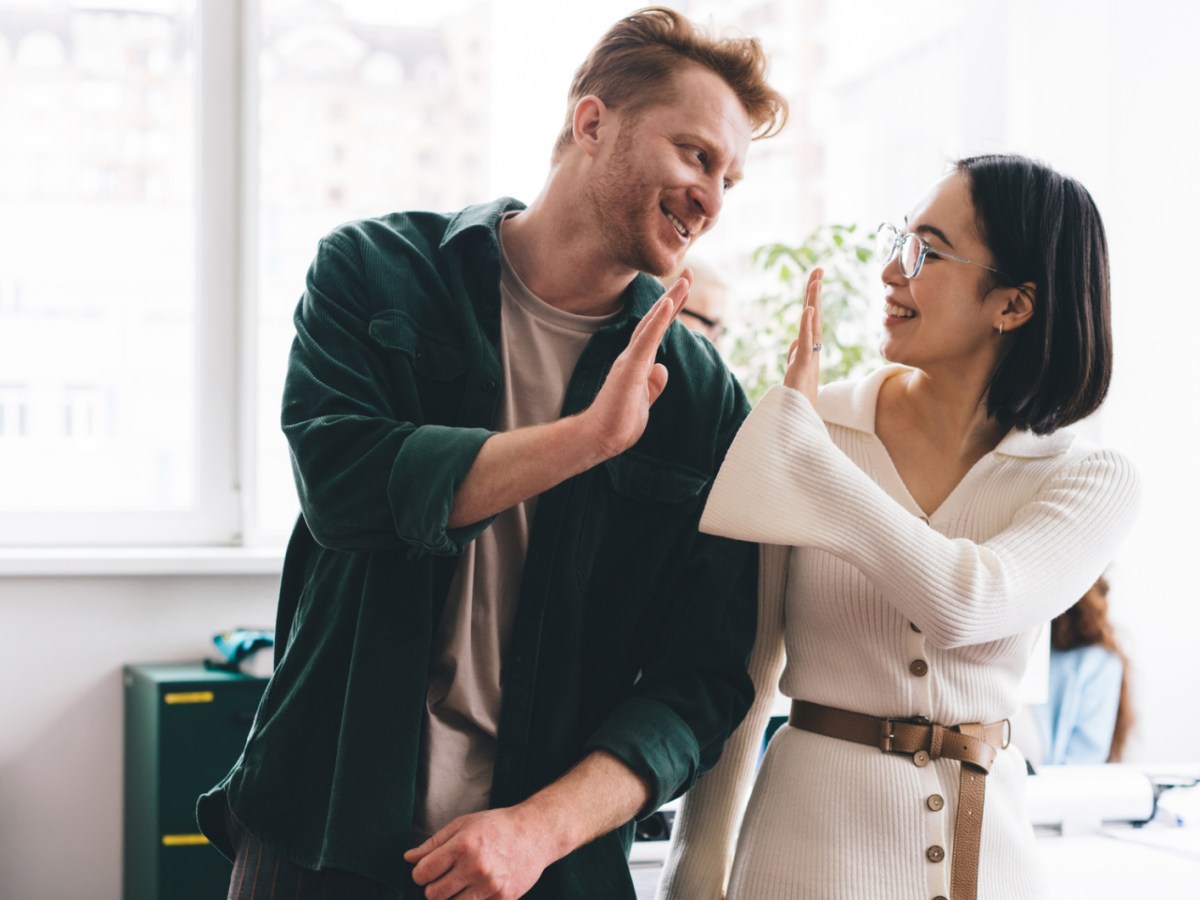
(539,347)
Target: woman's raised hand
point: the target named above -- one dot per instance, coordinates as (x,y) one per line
(804,356)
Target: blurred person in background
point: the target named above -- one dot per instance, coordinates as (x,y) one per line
(1089,711)
(707,302)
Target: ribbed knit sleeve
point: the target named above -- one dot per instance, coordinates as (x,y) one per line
(705,830)
(785,482)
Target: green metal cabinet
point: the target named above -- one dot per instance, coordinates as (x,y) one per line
(184,728)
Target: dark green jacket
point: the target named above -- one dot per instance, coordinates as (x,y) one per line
(632,630)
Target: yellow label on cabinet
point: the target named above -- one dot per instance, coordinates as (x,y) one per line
(189,697)
(183,840)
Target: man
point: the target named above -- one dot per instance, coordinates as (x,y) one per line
(501,636)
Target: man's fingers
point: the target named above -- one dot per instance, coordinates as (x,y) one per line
(649,332)
(433,866)
(452,884)
(423,850)
(657,382)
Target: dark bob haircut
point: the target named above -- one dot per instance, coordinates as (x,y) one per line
(1043,227)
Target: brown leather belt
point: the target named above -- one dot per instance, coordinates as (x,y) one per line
(974,745)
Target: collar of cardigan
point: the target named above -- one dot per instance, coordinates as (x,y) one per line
(852,405)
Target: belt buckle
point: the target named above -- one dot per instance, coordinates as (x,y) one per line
(1007,734)
(886,735)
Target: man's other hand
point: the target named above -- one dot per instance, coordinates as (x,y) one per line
(497,854)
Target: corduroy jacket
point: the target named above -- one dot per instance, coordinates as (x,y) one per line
(632,629)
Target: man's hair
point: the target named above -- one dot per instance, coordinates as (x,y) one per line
(1043,227)
(632,67)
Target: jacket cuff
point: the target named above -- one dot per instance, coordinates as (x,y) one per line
(421,503)
(652,740)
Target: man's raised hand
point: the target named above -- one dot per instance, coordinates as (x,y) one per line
(621,409)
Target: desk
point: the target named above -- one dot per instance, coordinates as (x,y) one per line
(1113,861)
(1123,862)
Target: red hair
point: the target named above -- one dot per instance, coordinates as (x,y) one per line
(634,65)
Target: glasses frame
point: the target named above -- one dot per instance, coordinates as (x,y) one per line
(715,326)
(925,249)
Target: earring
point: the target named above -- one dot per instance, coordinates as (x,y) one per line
(1000,329)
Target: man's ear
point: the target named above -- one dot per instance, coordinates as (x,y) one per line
(1018,305)
(589,125)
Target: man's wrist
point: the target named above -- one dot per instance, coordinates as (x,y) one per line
(542,819)
(586,442)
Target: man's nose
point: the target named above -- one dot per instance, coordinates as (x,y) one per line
(708,196)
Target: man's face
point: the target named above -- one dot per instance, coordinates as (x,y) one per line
(662,183)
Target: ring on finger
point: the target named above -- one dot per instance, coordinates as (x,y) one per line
(818,345)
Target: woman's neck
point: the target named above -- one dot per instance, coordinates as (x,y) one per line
(950,412)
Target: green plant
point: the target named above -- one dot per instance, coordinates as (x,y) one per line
(849,293)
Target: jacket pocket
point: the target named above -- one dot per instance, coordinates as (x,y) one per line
(431,357)
(428,372)
(640,511)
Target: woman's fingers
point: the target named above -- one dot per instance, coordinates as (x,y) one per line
(812,298)
(803,359)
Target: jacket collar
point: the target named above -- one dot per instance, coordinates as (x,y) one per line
(483,217)
(639,296)
(852,405)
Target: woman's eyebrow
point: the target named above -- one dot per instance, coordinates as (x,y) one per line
(936,232)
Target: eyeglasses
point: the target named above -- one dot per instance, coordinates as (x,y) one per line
(712,327)
(913,249)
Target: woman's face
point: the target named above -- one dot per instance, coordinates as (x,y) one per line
(941,318)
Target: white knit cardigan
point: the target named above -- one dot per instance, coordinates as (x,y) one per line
(856,583)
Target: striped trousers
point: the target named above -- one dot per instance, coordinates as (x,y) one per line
(258,874)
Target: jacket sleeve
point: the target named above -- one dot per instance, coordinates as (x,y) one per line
(784,481)
(706,828)
(367,477)
(693,688)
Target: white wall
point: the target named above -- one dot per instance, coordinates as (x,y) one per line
(62,645)
(1103,91)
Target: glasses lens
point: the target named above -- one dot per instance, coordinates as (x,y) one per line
(910,255)
(885,242)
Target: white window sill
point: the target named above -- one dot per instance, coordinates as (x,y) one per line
(70,562)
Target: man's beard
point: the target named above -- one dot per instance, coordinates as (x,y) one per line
(622,216)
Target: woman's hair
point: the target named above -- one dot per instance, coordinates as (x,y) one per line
(1043,227)
(633,65)
(1085,625)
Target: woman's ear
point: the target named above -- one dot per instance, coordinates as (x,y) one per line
(588,124)
(1017,308)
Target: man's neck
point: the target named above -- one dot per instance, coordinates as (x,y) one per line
(558,252)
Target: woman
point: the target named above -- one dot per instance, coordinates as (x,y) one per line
(921,525)
(1089,713)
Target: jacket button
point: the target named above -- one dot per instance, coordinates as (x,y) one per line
(939,897)
(918,667)
(935,854)
(489,385)
(935,802)
(921,759)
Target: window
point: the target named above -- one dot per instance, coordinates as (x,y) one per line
(168,167)
(103,420)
